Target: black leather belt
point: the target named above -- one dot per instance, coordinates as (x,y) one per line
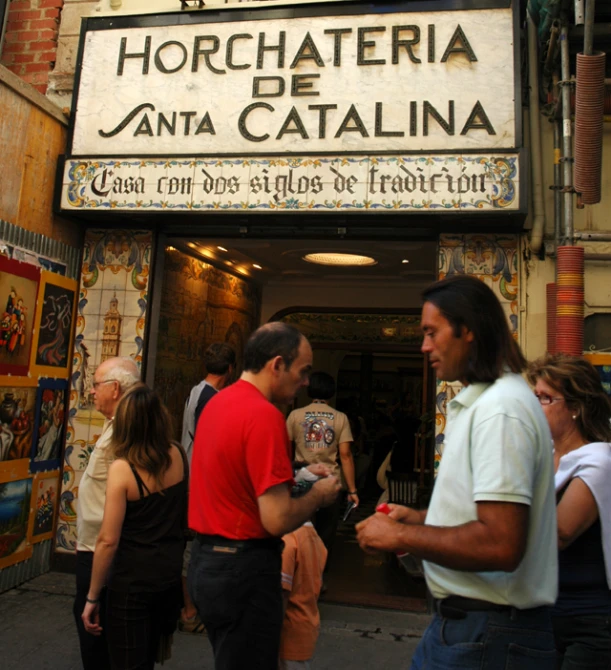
(457,607)
(227,545)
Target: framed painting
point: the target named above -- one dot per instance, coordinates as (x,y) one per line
(45,495)
(18,292)
(15,501)
(17,419)
(50,425)
(54,326)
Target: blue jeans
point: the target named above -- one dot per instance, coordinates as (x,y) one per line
(238,595)
(512,640)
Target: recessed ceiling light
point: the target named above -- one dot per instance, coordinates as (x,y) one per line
(221,249)
(405,260)
(192,245)
(339,259)
(229,262)
(258,267)
(170,248)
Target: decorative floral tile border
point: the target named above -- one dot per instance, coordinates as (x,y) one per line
(114,278)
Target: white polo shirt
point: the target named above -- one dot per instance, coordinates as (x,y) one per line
(92,492)
(498,447)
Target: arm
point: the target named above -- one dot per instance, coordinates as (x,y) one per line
(407,514)
(495,541)
(281,514)
(345,456)
(381,477)
(108,540)
(576,512)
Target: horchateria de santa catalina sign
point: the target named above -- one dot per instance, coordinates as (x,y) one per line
(378,86)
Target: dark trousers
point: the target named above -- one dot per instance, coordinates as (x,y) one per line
(136,621)
(326,521)
(236,589)
(94,649)
(583,642)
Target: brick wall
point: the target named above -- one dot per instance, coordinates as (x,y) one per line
(30,44)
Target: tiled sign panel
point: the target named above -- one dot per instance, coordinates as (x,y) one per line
(421,183)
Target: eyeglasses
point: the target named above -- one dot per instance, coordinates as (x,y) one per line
(545,399)
(106,381)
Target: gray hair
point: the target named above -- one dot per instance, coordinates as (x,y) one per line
(124,370)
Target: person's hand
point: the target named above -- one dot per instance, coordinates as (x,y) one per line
(404,514)
(91,618)
(378,533)
(328,488)
(319,469)
(353,497)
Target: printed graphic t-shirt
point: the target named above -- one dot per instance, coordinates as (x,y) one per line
(317,431)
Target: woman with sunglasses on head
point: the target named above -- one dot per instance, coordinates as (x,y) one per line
(579,413)
(138,554)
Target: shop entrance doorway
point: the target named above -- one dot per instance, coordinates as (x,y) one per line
(363,323)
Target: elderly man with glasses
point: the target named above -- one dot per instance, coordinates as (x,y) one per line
(111,380)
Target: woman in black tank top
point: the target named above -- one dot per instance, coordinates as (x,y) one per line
(578,412)
(139,550)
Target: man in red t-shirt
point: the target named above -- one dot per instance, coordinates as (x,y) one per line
(240,501)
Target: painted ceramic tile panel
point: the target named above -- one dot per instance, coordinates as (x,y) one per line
(494,260)
(199,305)
(110,322)
(17,413)
(18,291)
(14,514)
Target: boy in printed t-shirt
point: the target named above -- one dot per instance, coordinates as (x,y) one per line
(303,562)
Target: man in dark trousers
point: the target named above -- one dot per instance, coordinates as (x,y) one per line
(219,361)
(240,503)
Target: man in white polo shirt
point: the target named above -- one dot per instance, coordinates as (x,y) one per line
(488,539)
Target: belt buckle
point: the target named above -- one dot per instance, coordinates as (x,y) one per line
(224,550)
(449,612)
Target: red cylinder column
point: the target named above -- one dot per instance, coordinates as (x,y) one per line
(569,300)
(550,294)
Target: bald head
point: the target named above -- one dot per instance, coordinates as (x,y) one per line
(269,341)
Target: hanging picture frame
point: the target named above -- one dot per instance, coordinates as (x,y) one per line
(17,423)
(18,293)
(54,326)
(15,505)
(50,424)
(45,498)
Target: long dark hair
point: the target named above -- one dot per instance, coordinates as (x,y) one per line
(579,384)
(466,301)
(142,432)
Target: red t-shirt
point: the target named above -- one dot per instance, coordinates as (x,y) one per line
(241,449)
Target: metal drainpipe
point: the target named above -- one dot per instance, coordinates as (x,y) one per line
(557,182)
(593,237)
(538,227)
(567,146)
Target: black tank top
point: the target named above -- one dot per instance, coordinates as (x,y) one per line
(582,576)
(149,556)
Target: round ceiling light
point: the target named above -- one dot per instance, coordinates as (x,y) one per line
(339,259)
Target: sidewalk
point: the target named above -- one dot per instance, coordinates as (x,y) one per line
(37,632)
